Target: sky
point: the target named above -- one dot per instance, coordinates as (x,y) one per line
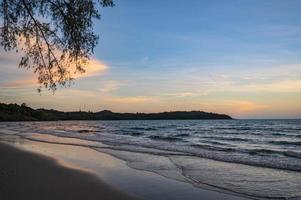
(238,57)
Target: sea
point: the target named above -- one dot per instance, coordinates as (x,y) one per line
(256,158)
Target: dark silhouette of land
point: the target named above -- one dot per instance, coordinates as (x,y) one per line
(15,112)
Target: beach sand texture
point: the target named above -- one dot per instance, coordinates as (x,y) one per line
(27,175)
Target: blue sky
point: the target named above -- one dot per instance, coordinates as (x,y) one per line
(240,57)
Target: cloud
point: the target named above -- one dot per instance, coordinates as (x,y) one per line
(276,86)
(75,93)
(20,83)
(110,86)
(240,108)
(94,68)
(284,78)
(276,79)
(126,99)
(185,94)
(14,77)
(247,106)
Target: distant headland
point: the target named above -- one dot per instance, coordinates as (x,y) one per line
(15,112)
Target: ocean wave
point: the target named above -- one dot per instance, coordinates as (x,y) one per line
(165,138)
(86,131)
(269,152)
(227,138)
(254,147)
(183,129)
(132,133)
(214,148)
(280,134)
(215,142)
(285,142)
(127,132)
(260,152)
(144,128)
(235,128)
(182,135)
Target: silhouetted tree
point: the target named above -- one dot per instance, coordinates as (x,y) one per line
(56,36)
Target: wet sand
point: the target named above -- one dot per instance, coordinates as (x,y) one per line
(50,170)
(25,175)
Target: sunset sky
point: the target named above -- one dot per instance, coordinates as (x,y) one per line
(238,57)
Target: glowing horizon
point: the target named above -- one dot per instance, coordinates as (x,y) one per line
(243,60)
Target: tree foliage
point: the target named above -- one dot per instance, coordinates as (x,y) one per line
(56,36)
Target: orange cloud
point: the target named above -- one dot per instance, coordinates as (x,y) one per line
(95,67)
(20,83)
(26,78)
(127,100)
(248,106)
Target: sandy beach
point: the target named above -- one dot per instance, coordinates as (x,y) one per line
(32,176)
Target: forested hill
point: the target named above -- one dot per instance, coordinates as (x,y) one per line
(15,112)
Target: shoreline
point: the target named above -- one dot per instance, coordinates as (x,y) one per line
(115,173)
(30,175)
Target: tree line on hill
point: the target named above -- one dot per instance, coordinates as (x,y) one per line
(15,112)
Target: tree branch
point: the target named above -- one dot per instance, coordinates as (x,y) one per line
(42,32)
